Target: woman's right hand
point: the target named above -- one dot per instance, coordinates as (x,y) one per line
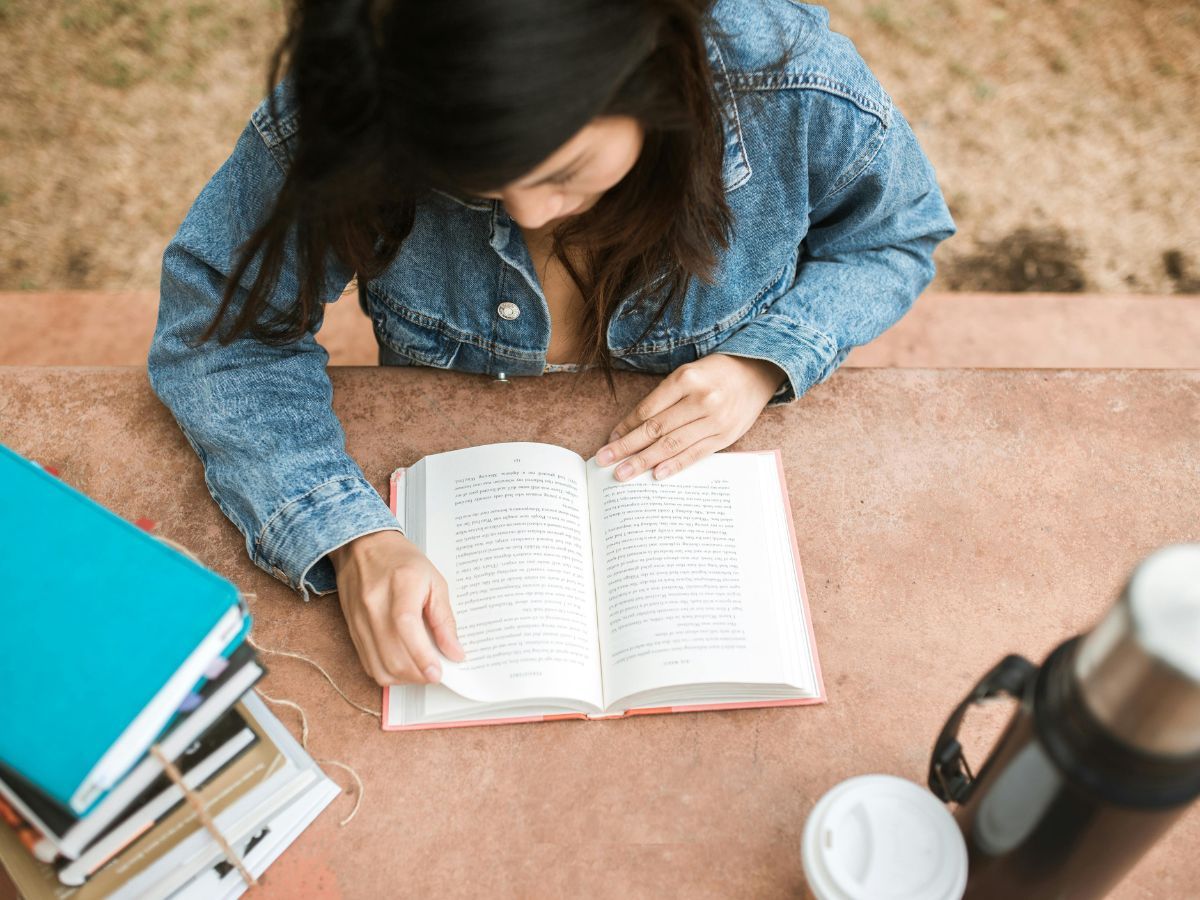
(388,590)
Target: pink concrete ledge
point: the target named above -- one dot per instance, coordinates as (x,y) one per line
(80,328)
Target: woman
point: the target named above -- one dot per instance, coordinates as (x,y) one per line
(724,196)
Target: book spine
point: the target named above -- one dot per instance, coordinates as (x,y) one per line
(31,839)
(46,850)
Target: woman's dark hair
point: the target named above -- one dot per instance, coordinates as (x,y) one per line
(397,97)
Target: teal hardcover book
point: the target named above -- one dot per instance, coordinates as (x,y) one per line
(103,632)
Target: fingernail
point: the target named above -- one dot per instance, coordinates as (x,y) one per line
(604,457)
(433,673)
(624,471)
(612,437)
(661,472)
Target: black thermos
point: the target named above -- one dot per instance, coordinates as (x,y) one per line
(1102,754)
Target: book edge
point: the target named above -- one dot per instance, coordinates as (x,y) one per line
(628,714)
(808,620)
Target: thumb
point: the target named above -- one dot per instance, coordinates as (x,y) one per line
(441,620)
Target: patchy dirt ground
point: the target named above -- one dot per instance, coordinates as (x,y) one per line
(1064,132)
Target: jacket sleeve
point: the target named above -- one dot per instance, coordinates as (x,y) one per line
(867,255)
(259,417)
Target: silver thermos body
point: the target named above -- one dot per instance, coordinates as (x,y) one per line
(1102,754)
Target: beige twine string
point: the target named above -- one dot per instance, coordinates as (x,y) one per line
(362,790)
(195,799)
(206,820)
(316,665)
(328,762)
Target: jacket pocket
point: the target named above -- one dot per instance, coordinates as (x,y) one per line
(709,322)
(756,305)
(407,337)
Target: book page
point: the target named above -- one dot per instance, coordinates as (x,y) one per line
(689,577)
(507,525)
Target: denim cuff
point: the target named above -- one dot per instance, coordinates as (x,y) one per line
(295,543)
(806,355)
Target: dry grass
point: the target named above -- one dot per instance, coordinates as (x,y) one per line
(113,117)
(1064,132)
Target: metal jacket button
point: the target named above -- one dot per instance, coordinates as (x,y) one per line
(508,310)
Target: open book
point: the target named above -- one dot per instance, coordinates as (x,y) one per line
(580,596)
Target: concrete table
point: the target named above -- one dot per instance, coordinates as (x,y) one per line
(944,519)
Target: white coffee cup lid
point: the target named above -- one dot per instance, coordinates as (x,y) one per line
(878,837)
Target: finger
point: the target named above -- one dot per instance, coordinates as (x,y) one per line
(441,621)
(380,634)
(668,392)
(409,627)
(652,429)
(396,656)
(403,643)
(669,446)
(359,627)
(688,457)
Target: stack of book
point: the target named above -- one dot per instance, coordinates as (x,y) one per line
(120,653)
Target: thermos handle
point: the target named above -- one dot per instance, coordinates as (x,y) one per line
(950,778)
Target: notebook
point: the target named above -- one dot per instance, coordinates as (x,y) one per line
(115,629)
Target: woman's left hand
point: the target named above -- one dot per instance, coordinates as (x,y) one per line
(700,408)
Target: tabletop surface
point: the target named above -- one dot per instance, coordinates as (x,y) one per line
(944,519)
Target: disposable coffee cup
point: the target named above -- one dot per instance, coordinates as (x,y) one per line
(878,837)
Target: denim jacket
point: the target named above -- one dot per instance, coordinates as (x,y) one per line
(836,211)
